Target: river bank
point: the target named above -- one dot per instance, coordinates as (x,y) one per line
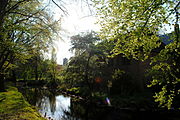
(13,106)
(67,104)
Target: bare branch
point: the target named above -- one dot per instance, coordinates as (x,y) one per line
(173,11)
(64,11)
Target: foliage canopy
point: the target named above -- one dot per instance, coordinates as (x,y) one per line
(133,26)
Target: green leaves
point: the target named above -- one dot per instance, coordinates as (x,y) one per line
(27,28)
(130,24)
(165,72)
(164,99)
(133,26)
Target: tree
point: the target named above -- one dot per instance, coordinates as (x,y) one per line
(35,68)
(134,26)
(53,68)
(84,67)
(84,47)
(89,69)
(26,29)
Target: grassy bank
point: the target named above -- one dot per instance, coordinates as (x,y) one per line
(13,106)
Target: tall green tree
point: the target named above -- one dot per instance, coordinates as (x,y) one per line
(134,26)
(84,46)
(83,68)
(89,68)
(53,68)
(26,29)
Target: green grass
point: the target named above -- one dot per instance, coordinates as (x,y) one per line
(13,106)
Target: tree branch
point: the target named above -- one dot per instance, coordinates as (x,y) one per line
(65,12)
(173,10)
(16,6)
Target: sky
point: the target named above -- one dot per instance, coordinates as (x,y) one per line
(79,19)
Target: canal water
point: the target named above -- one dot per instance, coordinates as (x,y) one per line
(59,107)
(54,107)
(49,103)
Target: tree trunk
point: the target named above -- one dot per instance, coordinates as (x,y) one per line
(86,75)
(2,10)
(3,5)
(36,68)
(2,85)
(14,76)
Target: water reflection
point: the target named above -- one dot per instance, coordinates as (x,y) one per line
(54,106)
(60,107)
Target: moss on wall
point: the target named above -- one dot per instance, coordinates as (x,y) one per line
(13,106)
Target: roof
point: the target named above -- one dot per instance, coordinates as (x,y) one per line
(166,39)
